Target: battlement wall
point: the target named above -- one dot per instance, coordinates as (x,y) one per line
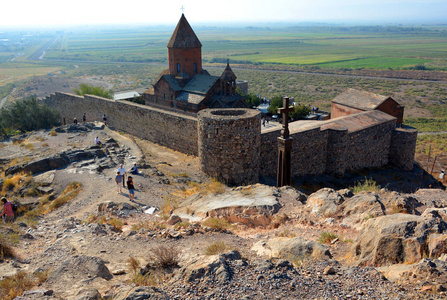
(175,131)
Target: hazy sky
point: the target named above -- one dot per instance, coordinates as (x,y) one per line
(56,12)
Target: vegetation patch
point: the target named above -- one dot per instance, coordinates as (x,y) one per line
(216,248)
(14,286)
(367,185)
(327,237)
(165,256)
(217,223)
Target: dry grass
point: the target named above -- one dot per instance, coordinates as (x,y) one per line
(213,187)
(286,233)
(279,220)
(15,183)
(7,243)
(165,256)
(53,133)
(368,185)
(326,237)
(70,192)
(46,206)
(117,224)
(216,223)
(169,203)
(151,225)
(216,248)
(13,286)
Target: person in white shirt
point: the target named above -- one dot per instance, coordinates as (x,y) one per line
(122,173)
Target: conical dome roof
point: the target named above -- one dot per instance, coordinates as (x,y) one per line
(184,36)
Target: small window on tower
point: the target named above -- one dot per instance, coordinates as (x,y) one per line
(195,68)
(178,68)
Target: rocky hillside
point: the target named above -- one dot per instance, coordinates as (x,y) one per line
(188,237)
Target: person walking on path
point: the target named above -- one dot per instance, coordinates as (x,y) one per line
(118,180)
(122,173)
(131,188)
(84,119)
(442,176)
(7,211)
(104,118)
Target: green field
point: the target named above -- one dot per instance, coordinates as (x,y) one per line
(322,47)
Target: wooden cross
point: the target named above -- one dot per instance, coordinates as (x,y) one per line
(285,117)
(182,8)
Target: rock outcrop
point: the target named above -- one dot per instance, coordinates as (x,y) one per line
(398,238)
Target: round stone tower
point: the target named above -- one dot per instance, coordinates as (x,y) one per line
(229,144)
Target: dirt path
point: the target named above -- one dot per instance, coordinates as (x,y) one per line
(2,102)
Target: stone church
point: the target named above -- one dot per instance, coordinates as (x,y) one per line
(185,86)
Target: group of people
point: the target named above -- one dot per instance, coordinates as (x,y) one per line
(265,119)
(120,178)
(84,119)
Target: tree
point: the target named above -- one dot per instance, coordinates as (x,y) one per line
(93,90)
(26,115)
(252,100)
(300,111)
(275,103)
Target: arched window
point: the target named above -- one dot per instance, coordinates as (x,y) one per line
(178,68)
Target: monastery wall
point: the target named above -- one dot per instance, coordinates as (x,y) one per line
(231,146)
(175,131)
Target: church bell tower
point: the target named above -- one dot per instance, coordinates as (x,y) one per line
(184,51)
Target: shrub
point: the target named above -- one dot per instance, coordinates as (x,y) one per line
(53,133)
(93,90)
(216,223)
(368,185)
(216,248)
(326,237)
(27,115)
(13,286)
(165,256)
(116,224)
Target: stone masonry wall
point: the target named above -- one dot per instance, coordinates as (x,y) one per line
(332,149)
(403,147)
(229,144)
(168,129)
(369,147)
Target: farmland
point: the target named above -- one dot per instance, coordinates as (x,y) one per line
(303,47)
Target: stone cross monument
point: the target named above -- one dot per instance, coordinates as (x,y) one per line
(284,174)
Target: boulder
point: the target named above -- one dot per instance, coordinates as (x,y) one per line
(362,207)
(206,266)
(56,161)
(80,268)
(398,203)
(45,179)
(173,219)
(394,239)
(300,248)
(140,293)
(426,270)
(88,294)
(250,205)
(437,245)
(325,202)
